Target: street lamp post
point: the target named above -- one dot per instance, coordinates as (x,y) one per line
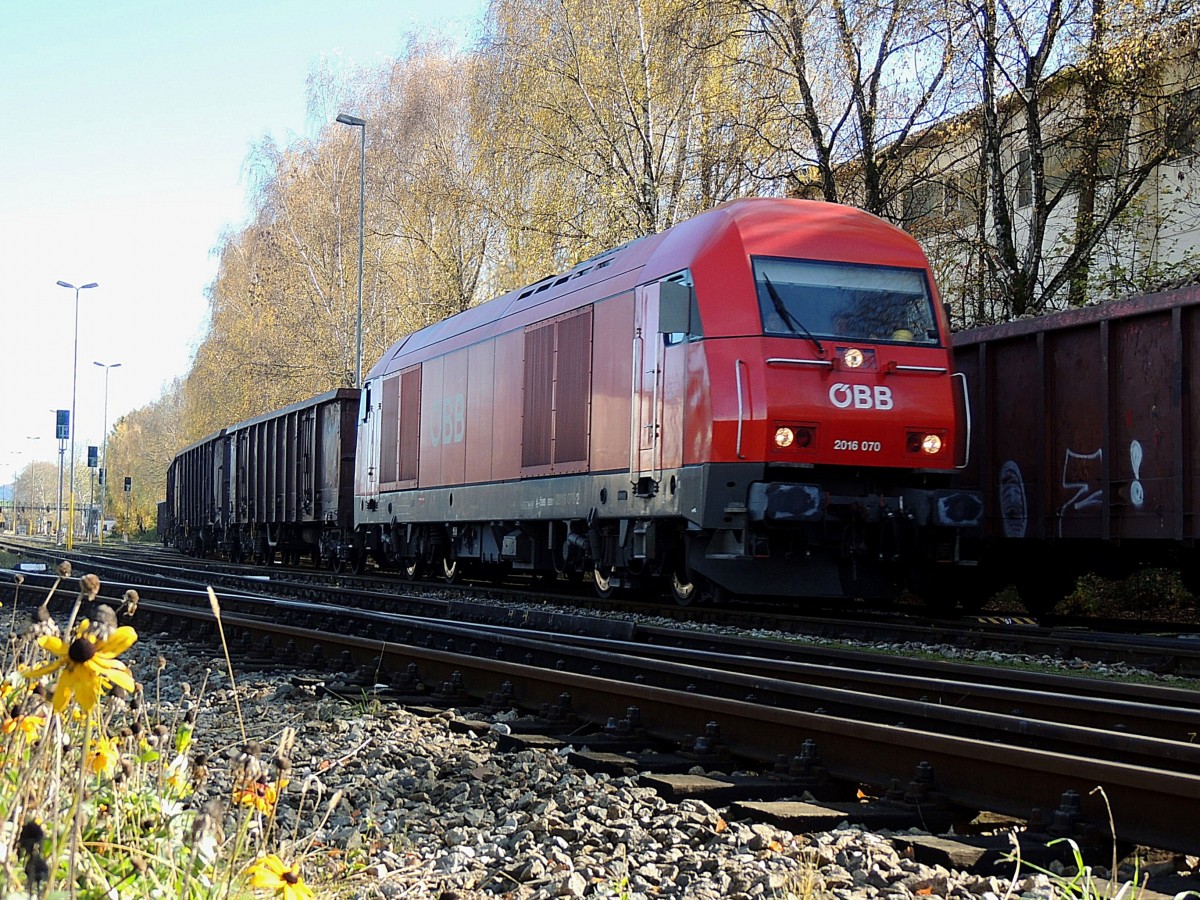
(104,444)
(74,379)
(362,181)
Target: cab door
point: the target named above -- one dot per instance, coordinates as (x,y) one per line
(366,472)
(645,439)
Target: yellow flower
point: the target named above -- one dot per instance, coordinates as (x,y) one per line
(31,726)
(104,756)
(89,666)
(270,874)
(261,794)
(177,776)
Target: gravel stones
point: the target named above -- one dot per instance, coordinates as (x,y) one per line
(427,811)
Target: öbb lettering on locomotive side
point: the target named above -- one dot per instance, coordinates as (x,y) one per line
(678,410)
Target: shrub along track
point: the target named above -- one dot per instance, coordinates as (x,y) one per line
(962,738)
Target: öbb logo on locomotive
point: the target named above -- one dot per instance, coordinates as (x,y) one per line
(860,396)
(673,395)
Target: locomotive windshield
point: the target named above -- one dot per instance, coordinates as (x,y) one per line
(844,301)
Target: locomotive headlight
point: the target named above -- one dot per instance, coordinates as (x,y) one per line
(928,443)
(853,358)
(784,437)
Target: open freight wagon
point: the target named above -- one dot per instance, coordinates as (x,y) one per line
(1084,441)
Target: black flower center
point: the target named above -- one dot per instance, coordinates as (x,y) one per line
(290,877)
(81,650)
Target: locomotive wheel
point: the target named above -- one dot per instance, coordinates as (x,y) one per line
(358,563)
(683,590)
(451,570)
(338,564)
(602,581)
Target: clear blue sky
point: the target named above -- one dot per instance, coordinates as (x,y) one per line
(126,126)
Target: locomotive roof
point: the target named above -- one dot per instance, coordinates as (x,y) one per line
(829,230)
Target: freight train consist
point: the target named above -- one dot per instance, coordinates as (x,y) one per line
(761,400)
(1086,442)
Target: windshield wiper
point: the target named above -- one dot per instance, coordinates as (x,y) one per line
(791,321)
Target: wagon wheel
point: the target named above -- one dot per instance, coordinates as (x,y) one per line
(338,563)
(684,590)
(411,568)
(358,563)
(451,570)
(602,581)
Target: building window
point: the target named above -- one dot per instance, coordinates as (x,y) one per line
(1183,122)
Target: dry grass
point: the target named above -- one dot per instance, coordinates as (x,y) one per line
(104,793)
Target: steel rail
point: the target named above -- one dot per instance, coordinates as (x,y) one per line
(1152,805)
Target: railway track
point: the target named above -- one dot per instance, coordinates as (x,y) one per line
(938,742)
(1168,648)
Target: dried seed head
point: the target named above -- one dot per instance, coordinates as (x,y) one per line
(287,742)
(19,578)
(31,837)
(37,870)
(131,601)
(103,623)
(64,569)
(162,663)
(208,821)
(41,624)
(89,585)
(247,768)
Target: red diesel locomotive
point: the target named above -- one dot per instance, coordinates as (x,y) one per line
(760,400)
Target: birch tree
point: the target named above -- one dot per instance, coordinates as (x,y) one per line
(616,112)
(1082,102)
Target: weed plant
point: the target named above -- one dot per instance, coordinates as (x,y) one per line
(103,792)
(1082,883)
(1159,593)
